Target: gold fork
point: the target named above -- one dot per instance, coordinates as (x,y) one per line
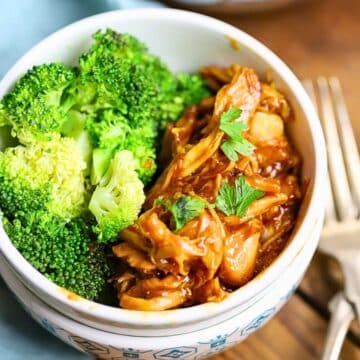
(341,234)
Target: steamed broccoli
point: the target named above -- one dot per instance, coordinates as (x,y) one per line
(111,132)
(74,127)
(64,251)
(105,115)
(189,89)
(140,142)
(3,120)
(147,88)
(33,107)
(127,100)
(130,95)
(117,200)
(117,45)
(53,168)
(37,110)
(42,195)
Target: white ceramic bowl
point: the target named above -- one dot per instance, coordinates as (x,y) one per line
(185,41)
(196,345)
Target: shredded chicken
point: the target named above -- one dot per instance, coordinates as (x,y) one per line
(213,253)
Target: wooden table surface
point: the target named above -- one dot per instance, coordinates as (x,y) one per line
(320,37)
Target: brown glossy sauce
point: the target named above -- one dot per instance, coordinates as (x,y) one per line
(213,254)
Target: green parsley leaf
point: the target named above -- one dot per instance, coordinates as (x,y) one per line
(234,200)
(232,147)
(184,209)
(236,144)
(231,115)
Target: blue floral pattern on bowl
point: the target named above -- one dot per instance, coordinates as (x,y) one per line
(181,352)
(199,350)
(257,322)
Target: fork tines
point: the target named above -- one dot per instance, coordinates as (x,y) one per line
(343,156)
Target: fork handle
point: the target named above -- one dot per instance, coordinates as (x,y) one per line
(342,315)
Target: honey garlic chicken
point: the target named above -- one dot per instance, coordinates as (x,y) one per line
(225,204)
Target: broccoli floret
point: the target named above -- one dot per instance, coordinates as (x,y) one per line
(122,85)
(124,65)
(189,90)
(140,142)
(131,95)
(3,118)
(111,132)
(33,108)
(126,101)
(74,127)
(113,74)
(101,159)
(65,252)
(117,200)
(115,45)
(50,171)
(42,195)
(167,95)
(108,130)
(108,133)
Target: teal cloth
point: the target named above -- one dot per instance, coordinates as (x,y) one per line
(23,23)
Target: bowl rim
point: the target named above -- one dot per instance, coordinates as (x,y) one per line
(199,312)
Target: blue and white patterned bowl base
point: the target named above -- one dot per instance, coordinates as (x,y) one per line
(217,341)
(199,351)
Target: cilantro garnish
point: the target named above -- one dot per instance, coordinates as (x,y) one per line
(234,200)
(236,144)
(184,209)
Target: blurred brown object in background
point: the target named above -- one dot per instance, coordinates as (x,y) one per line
(230,6)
